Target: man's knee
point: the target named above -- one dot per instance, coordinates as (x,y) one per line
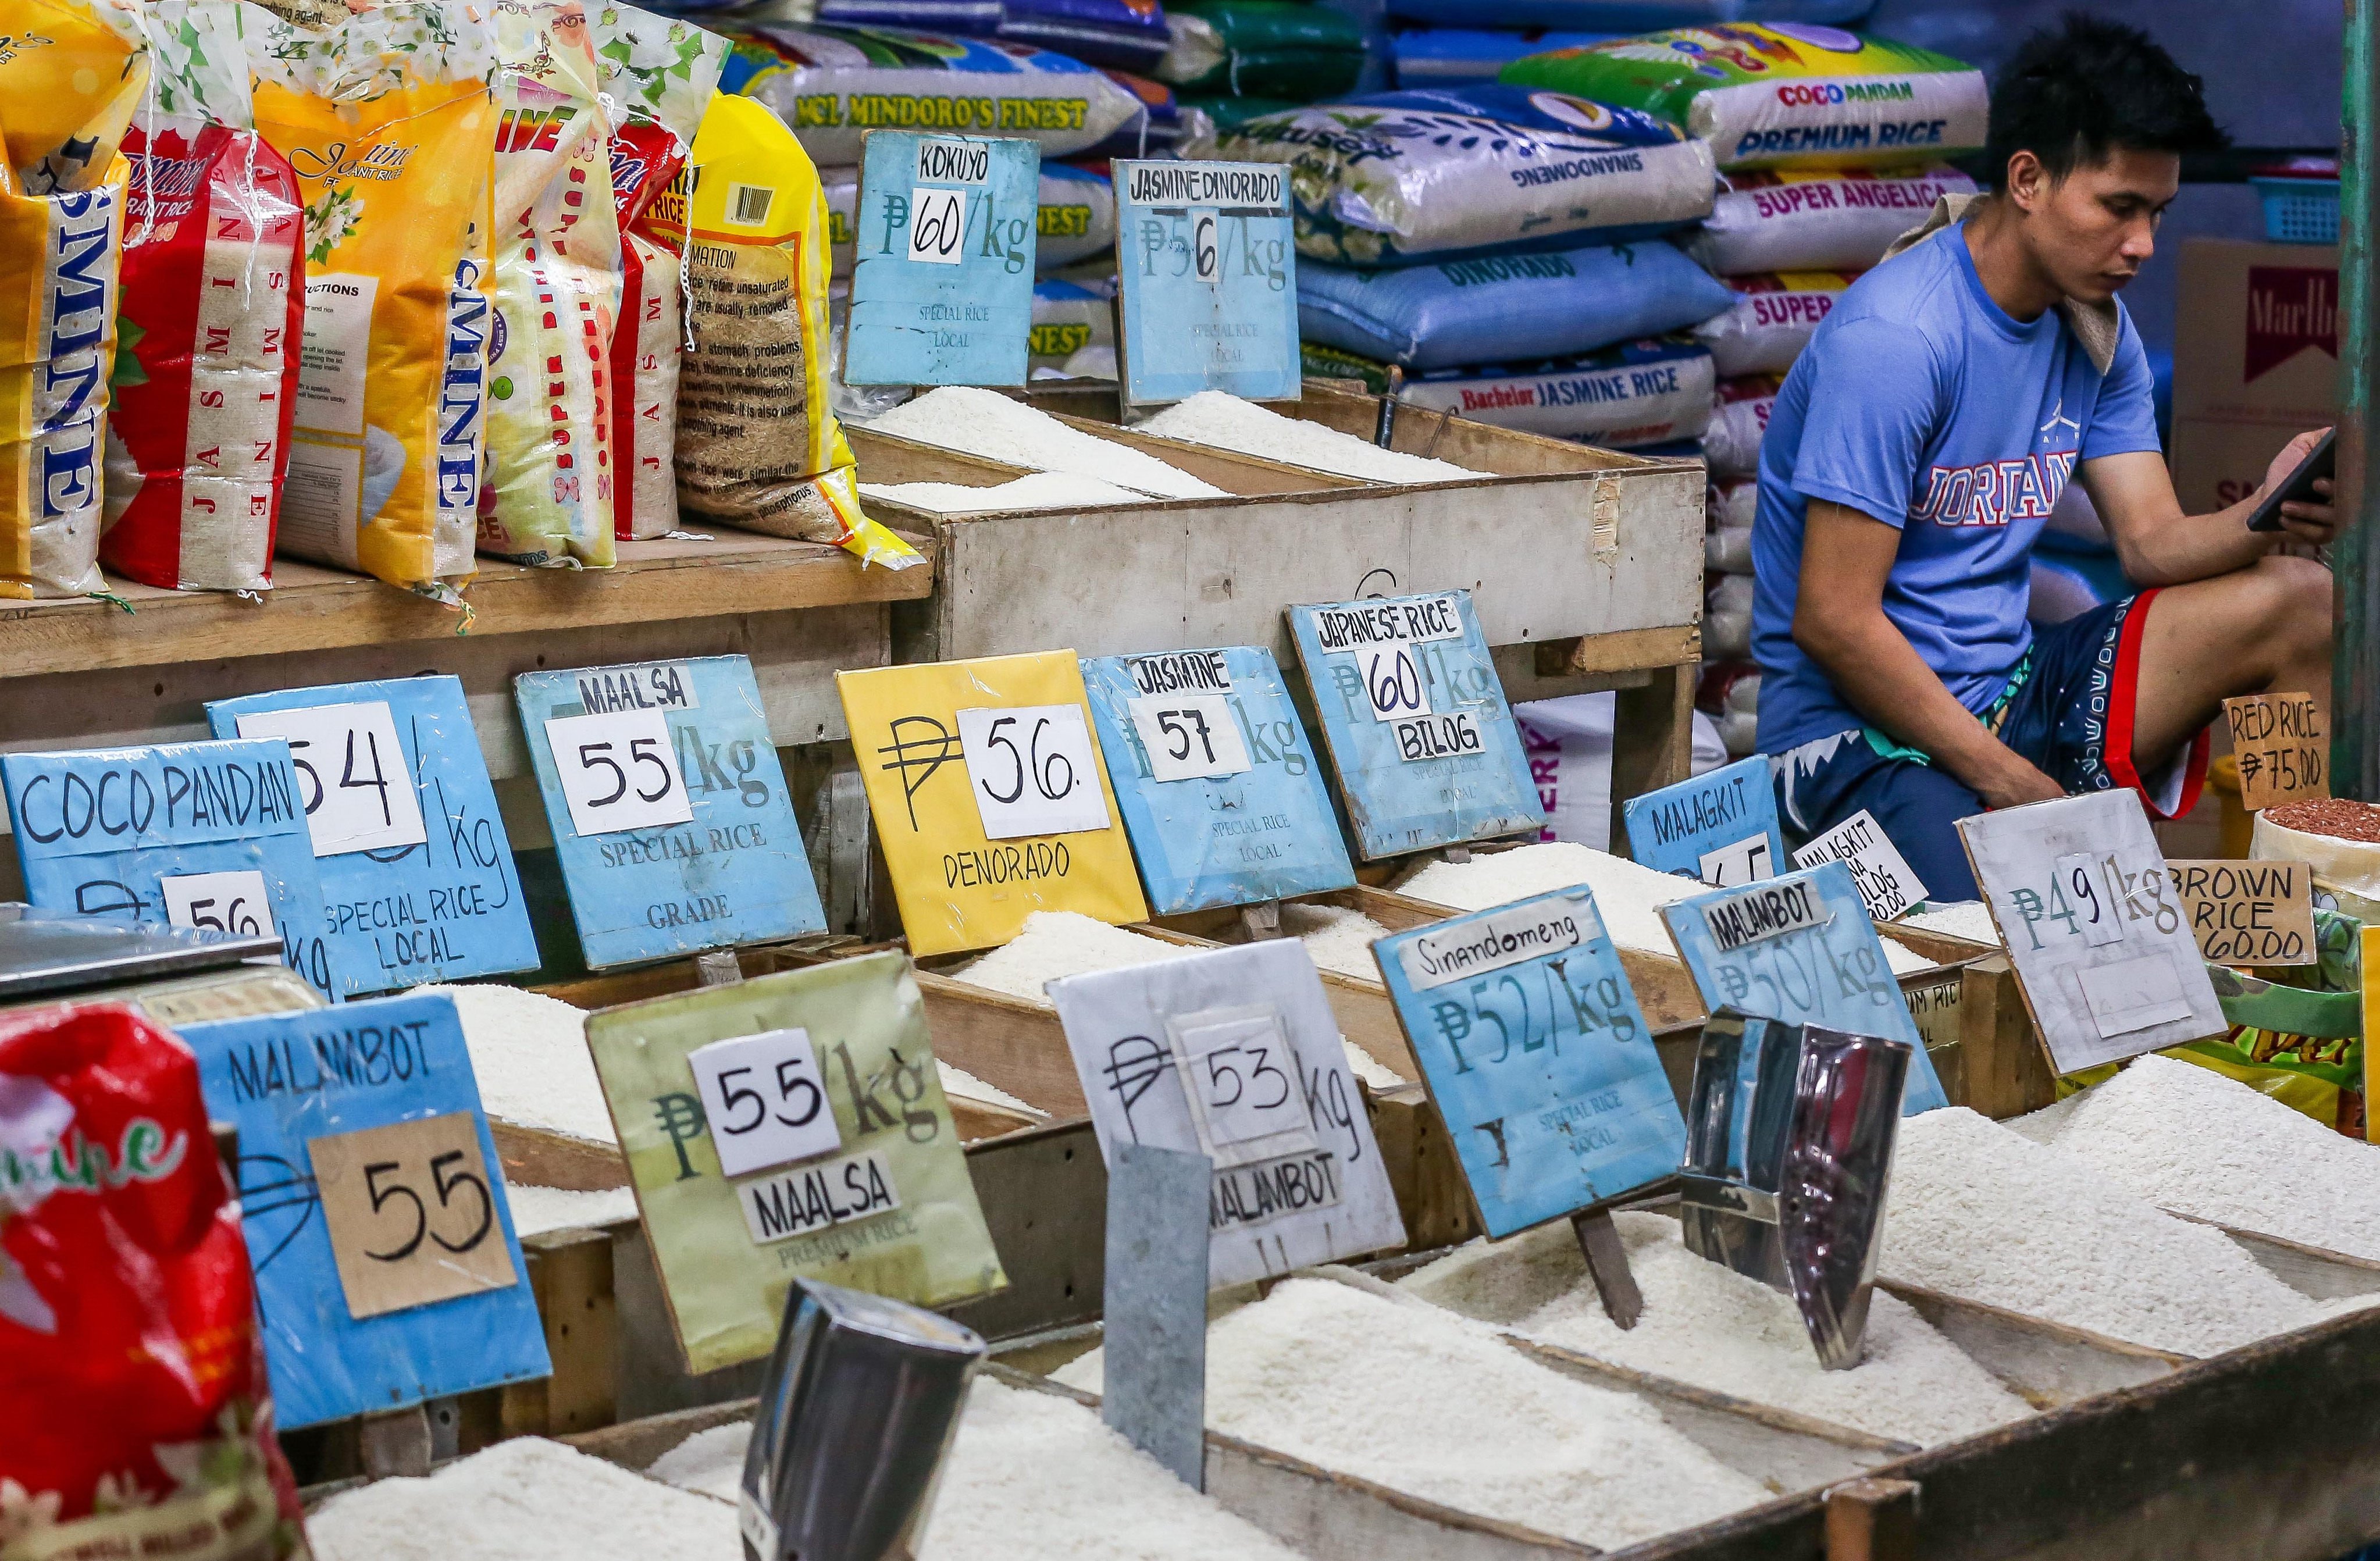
(2292,599)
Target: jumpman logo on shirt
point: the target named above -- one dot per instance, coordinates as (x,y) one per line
(2057,418)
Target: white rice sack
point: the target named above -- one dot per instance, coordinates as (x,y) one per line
(1771,321)
(1731,441)
(1802,219)
(1643,393)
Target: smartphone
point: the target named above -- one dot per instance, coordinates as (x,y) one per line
(2320,463)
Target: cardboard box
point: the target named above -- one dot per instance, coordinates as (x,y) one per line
(2255,361)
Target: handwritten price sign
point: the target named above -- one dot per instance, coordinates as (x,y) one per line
(1537,1055)
(1414,714)
(990,795)
(1206,273)
(2087,908)
(417,871)
(942,284)
(1233,1054)
(1721,827)
(1221,792)
(2281,746)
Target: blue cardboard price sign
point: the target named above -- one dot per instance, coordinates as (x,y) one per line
(1219,791)
(1721,827)
(1800,947)
(1414,714)
(941,283)
(387,1268)
(1206,272)
(204,835)
(1536,1057)
(447,904)
(671,819)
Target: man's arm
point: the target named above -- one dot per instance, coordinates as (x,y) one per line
(1838,622)
(2161,546)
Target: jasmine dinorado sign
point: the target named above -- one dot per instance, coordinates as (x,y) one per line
(1207,275)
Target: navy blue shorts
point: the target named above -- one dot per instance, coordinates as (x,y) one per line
(2068,711)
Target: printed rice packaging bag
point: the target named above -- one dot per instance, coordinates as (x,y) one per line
(71,74)
(1397,178)
(757,443)
(1784,92)
(1494,309)
(1643,393)
(211,315)
(1770,320)
(1068,318)
(1261,48)
(547,498)
(1159,123)
(659,73)
(1732,443)
(1816,219)
(388,120)
(132,1375)
(831,83)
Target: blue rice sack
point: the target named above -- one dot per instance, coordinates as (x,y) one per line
(831,84)
(1616,17)
(1453,56)
(1494,309)
(1625,397)
(1128,34)
(1398,179)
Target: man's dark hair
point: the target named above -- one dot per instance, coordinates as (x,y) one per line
(2074,95)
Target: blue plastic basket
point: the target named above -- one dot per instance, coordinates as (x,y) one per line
(2299,210)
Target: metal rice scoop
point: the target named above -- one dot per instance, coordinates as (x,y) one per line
(860,1402)
(1789,1130)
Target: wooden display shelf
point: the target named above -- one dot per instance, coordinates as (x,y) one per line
(312,608)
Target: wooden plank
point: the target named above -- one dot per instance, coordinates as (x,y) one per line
(1652,740)
(795,656)
(1045,1196)
(1783,1450)
(535,1157)
(1012,1044)
(570,1272)
(1464,441)
(314,609)
(1871,1519)
(1625,650)
(2046,1363)
(1431,1194)
(636,1445)
(2313,1271)
(2007,1073)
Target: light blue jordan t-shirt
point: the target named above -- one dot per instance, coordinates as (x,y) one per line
(1923,404)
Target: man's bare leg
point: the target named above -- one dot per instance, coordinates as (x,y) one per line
(2263,630)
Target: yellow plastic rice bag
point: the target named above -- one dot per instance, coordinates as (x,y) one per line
(71,74)
(758,446)
(389,121)
(557,283)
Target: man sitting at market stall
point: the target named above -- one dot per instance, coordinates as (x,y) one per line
(1914,457)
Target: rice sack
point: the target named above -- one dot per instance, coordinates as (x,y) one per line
(1732,443)
(1769,321)
(1066,319)
(548,499)
(1639,394)
(1493,308)
(1160,123)
(659,72)
(205,380)
(1261,48)
(1611,17)
(1395,178)
(831,83)
(1784,92)
(71,74)
(1816,220)
(757,443)
(388,120)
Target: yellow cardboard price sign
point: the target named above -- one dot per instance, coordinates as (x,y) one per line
(990,796)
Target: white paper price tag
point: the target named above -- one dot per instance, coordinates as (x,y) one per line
(809,1199)
(1392,680)
(1887,884)
(618,772)
(765,1099)
(1032,770)
(1447,736)
(234,902)
(351,768)
(1189,736)
(2076,882)
(1733,867)
(1240,1073)
(937,226)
